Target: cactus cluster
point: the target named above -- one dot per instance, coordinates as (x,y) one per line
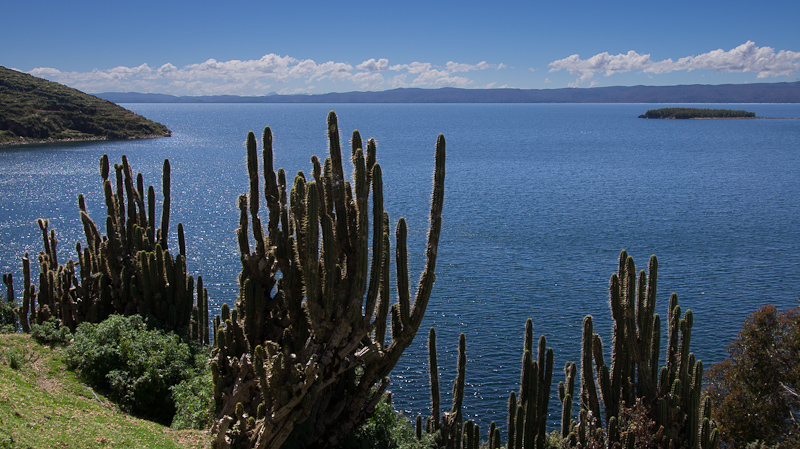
(669,394)
(304,354)
(528,422)
(632,403)
(129,270)
(448,430)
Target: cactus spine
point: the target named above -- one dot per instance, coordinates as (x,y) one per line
(312,299)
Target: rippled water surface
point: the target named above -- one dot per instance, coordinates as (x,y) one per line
(539,201)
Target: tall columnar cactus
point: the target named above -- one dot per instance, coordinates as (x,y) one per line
(449,431)
(527,408)
(129,270)
(671,393)
(305,349)
(534,394)
(433,371)
(452,432)
(566,391)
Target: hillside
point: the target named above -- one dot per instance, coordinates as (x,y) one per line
(44,405)
(36,110)
(697,93)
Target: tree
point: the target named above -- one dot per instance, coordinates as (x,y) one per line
(755,389)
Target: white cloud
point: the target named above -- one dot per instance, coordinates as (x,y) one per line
(414,67)
(439,78)
(255,77)
(483,65)
(367,80)
(744,58)
(371,65)
(399,81)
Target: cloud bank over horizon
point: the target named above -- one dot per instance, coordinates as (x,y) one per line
(289,75)
(745,58)
(271,73)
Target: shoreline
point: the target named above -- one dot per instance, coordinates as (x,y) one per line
(26,142)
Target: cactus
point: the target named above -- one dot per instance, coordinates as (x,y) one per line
(312,299)
(527,416)
(450,433)
(671,394)
(433,371)
(451,421)
(566,391)
(128,271)
(512,420)
(534,393)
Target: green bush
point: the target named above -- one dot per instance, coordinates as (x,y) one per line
(754,391)
(49,333)
(135,365)
(194,403)
(386,429)
(15,357)
(8,317)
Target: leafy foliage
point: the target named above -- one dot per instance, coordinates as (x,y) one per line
(686,113)
(137,366)
(386,429)
(50,333)
(755,390)
(194,404)
(33,109)
(8,317)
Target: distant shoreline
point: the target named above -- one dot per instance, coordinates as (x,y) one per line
(26,142)
(681,94)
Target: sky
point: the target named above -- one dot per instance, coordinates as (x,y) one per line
(240,47)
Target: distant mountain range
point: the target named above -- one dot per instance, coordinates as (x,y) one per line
(696,93)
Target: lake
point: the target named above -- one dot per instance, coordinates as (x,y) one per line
(540,199)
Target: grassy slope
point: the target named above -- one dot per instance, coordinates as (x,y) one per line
(44,405)
(35,110)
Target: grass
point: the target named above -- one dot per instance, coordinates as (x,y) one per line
(42,404)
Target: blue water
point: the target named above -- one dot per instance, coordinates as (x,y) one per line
(539,201)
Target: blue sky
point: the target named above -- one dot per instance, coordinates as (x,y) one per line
(254,48)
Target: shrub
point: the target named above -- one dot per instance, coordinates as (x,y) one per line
(8,317)
(50,333)
(194,404)
(16,357)
(386,429)
(754,390)
(137,366)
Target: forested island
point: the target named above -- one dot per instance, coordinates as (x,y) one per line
(687,113)
(36,110)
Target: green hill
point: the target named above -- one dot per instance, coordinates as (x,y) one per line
(44,405)
(36,110)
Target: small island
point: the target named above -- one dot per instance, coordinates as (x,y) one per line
(687,113)
(34,110)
